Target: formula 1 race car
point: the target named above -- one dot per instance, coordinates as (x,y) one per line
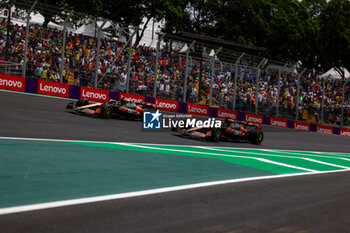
(124,108)
(234,131)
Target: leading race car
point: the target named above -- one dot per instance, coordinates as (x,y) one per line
(234,131)
(124,108)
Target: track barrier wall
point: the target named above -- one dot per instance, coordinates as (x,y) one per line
(36,86)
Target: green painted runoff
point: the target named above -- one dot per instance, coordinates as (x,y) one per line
(44,171)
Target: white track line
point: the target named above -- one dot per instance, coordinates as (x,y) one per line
(309,153)
(321,155)
(216,154)
(312,154)
(131,144)
(11,210)
(157,144)
(41,206)
(281,156)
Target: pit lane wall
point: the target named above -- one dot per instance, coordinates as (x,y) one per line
(36,86)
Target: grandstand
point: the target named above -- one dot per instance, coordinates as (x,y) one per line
(275,94)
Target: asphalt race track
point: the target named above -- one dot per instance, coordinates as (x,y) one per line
(40,117)
(315,203)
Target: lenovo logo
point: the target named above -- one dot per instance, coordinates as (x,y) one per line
(94,95)
(345,133)
(224,114)
(10,83)
(198,110)
(301,127)
(324,130)
(135,100)
(278,123)
(166,105)
(13,83)
(48,88)
(254,119)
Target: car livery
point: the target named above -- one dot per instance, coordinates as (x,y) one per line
(231,130)
(124,108)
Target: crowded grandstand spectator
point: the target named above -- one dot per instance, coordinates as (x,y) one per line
(44,61)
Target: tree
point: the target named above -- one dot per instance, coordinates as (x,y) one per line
(335,36)
(50,9)
(290,32)
(176,16)
(243,21)
(314,9)
(202,14)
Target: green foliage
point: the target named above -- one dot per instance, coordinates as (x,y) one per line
(335,35)
(290,32)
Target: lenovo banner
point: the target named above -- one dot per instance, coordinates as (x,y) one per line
(324,129)
(133,98)
(167,105)
(278,122)
(223,114)
(94,94)
(345,132)
(255,119)
(13,83)
(52,88)
(198,110)
(302,125)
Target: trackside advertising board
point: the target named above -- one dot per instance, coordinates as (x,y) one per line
(345,132)
(299,125)
(12,83)
(94,94)
(223,114)
(197,110)
(52,88)
(255,119)
(324,129)
(17,83)
(167,105)
(133,98)
(278,122)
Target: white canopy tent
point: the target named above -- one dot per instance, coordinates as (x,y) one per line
(333,74)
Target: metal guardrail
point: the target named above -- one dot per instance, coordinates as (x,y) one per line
(10,68)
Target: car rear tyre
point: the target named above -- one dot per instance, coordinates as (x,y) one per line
(215,135)
(257,138)
(106,111)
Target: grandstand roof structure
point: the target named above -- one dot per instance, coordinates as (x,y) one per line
(205,40)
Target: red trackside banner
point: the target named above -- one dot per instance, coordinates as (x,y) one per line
(324,129)
(300,125)
(252,118)
(198,110)
(278,122)
(167,105)
(133,98)
(223,114)
(52,88)
(345,132)
(13,83)
(94,94)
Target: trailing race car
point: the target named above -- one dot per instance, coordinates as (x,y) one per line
(234,131)
(124,108)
